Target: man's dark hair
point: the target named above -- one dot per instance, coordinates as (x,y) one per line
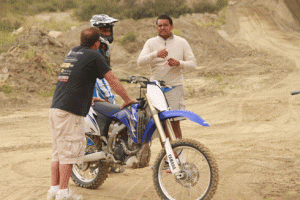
(165,17)
(89,36)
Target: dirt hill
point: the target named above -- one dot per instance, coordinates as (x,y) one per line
(225,65)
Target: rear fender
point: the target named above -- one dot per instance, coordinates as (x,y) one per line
(151,127)
(90,123)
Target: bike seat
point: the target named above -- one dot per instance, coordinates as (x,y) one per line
(105,108)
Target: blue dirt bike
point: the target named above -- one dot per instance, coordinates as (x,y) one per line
(125,139)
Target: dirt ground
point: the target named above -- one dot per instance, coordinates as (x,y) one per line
(244,94)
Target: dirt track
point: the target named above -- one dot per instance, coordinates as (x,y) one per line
(254,136)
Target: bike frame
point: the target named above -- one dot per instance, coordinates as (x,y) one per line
(160,113)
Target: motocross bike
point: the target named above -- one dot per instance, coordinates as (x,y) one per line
(194,171)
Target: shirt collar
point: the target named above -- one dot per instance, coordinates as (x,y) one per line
(171,36)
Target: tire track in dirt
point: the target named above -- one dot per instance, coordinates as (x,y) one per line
(287,43)
(36,193)
(28,170)
(263,32)
(253,172)
(27,147)
(268,34)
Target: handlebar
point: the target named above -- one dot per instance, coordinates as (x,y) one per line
(125,80)
(141,80)
(295,92)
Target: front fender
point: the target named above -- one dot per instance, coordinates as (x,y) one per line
(182,113)
(150,128)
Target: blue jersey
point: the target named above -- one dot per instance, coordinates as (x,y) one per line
(102,89)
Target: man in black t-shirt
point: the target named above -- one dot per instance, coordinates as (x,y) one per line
(71,102)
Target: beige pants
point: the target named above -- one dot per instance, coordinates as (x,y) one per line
(68,140)
(175,98)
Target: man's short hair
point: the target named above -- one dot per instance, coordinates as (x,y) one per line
(165,17)
(89,36)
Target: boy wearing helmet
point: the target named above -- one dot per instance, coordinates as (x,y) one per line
(102,91)
(105,23)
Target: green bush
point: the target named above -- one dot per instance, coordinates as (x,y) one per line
(6,88)
(206,6)
(130,9)
(30,54)
(150,9)
(177,32)
(65,5)
(30,7)
(129,37)
(47,67)
(8,26)
(89,8)
(49,93)
(6,39)
(222,4)
(84,10)
(55,6)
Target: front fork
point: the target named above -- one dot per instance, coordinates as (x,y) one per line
(165,141)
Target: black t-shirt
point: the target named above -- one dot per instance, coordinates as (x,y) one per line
(77,78)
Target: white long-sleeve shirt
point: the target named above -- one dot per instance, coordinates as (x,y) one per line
(178,48)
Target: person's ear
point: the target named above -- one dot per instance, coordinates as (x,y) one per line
(94,46)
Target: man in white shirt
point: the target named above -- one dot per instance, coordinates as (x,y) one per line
(168,56)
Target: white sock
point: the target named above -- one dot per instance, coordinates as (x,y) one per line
(55,188)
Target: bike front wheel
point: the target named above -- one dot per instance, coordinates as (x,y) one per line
(198,169)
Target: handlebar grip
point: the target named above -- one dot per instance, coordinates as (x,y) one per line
(162,83)
(295,92)
(124,80)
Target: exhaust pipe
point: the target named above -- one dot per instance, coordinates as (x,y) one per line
(94,156)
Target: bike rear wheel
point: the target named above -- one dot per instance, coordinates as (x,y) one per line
(198,168)
(93,174)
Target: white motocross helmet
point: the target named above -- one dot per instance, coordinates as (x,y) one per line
(103,20)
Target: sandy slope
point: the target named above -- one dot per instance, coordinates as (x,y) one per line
(254,135)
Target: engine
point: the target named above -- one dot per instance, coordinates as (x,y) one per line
(119,153)
(124,146)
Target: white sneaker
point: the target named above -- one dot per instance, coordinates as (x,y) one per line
(51,195)
(70,196)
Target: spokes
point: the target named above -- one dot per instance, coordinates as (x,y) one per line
(190,175)
(195,175)
(87,171)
